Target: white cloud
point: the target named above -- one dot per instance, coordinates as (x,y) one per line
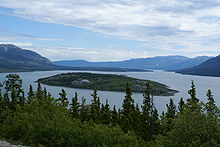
(163,24)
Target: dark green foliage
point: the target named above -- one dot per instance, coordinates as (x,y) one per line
(181,105)
(74,109)
(63,99)
(31,94)
(50,125)
(127,111)
(114,117)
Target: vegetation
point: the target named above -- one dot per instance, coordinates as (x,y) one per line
(109,82)
(41,120)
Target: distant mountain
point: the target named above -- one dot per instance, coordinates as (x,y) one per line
(13,58)
(209,68)
(159,62)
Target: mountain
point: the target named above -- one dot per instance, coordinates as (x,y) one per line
(210,67)
(159,62)
(13,58)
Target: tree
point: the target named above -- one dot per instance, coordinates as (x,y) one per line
(74,109)
(95,107)
(63,99)
(192,102)
(170,114)
(114,116)
(127,110)
(83,110)
(39,93)
(13,86)
(31,94)
(181,105)
(211,108)
(105,113)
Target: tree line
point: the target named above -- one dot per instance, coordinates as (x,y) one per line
(40,119)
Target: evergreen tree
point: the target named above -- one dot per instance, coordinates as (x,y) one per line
(192,93)
(211,108)
(95,107)
(114,116)
(105,113)
(147,110)
(1,102)
(63,99)
(181,105)
(31,94)
(39,93)
(170,114)
(13,86)
(74,109)
(127,110)
(192,102)
(83,110)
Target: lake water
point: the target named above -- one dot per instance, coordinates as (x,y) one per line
(176,81)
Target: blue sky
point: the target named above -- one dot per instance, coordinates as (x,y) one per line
(109,30)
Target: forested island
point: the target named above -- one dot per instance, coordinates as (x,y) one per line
(107,82)
(39,119)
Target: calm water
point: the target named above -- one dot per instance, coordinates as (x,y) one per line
(176,81)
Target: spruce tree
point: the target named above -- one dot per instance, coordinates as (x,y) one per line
(63,99)
(181,105)
(105,113)
(13,86)
(211,108)
(192,102)
(39,93)
(83,110)
(95,107)
(127,110)
(146,115)
(74,109)
(114,116)
(31,94)
(170,114)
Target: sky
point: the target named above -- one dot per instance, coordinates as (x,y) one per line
(112,30)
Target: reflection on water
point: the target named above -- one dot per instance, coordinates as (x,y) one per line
(176,81)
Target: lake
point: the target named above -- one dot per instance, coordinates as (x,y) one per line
(176,81)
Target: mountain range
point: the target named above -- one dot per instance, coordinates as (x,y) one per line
(210,67)
(13,58)
(158,63)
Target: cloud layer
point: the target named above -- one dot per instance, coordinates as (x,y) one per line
(187,26)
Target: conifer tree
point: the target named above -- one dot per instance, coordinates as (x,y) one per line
(31,94)
(211,108)
(1,101)
(95,107)
(63,99)
(170,114)
(181,105)
(192,93)
(192,102)
(74,109)
(39,93)
(105,113)
(13,86)
(127,110)
(114,116)
(83,110)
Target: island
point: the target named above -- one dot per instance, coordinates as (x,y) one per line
(105,82)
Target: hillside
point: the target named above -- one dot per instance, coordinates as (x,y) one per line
(13,58)
(160,63)
(209,68)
